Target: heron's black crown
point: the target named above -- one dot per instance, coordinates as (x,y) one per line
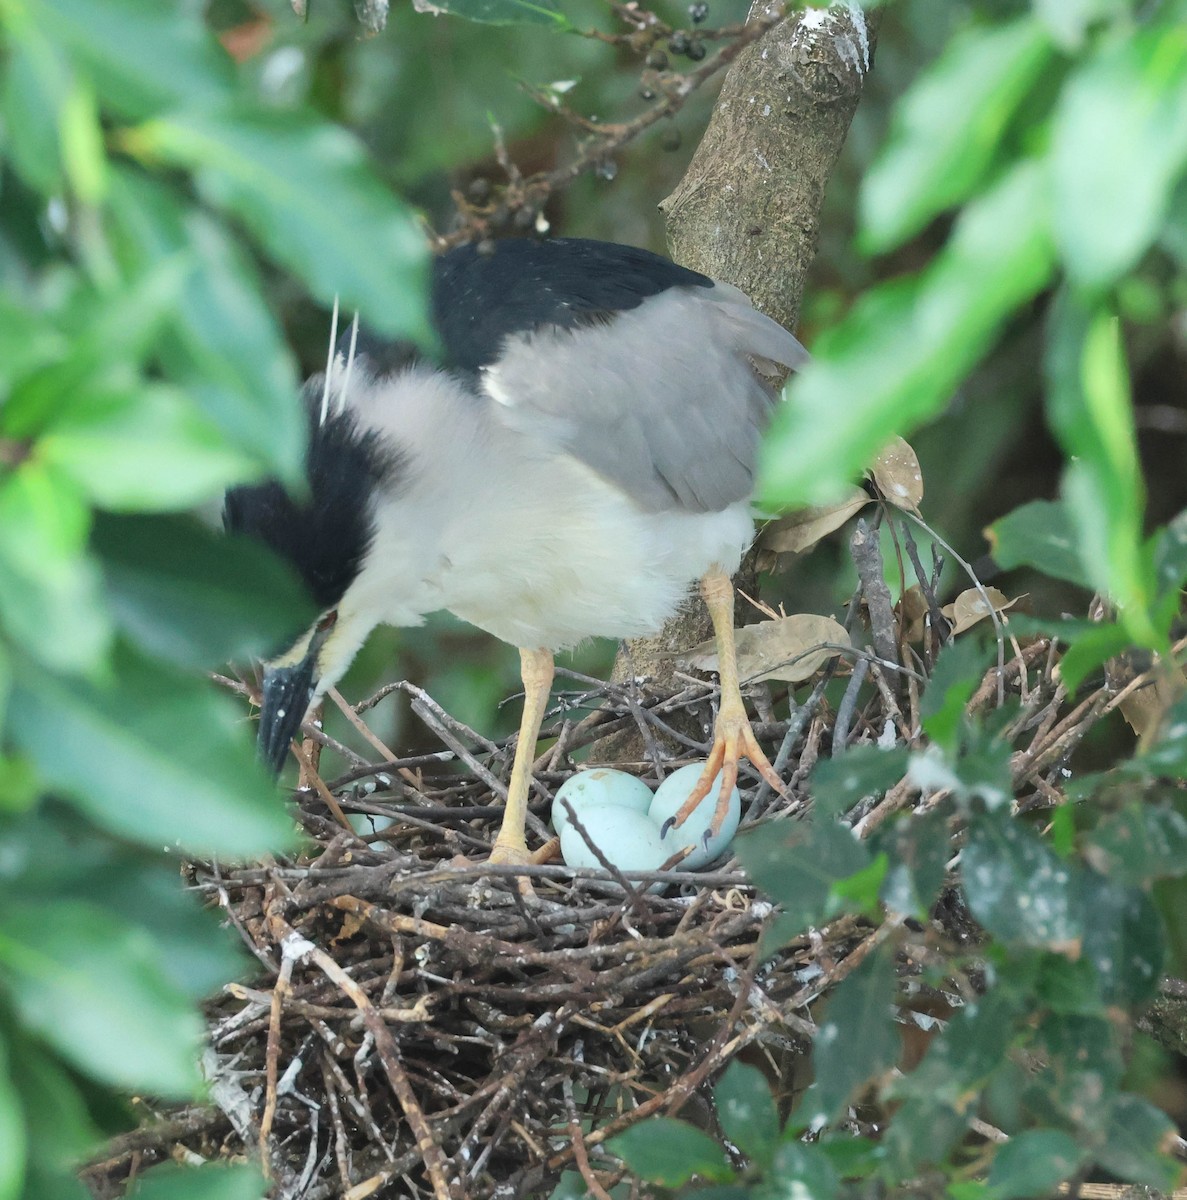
(326,532)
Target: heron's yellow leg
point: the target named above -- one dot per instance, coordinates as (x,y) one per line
(536,668)
(733,739)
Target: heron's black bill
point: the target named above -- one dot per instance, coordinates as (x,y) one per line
(287,693)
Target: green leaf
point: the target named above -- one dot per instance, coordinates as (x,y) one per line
(220,340)
(49,861)
(858,1038)
(5,692)
(800,1171)
(110,332)
(13,1141)
(668,1152)
(1118,145)
(1040,535)
(145,450)
(504,12)
(921,1131)
(88,984)
(32,95)
(1070,20)
(1168,755)
(968,1189)
(27,342)
(959,668)
(1170,554)
(917,849)
(1082,1068)
(144,57)
(971,1047)
(1033,1163)
(348,236)
(1068,986)
(1089,651)
(209,1182)
(124,752)
(84,150)
(1123,941)
(903,348)
(859,892)
(1090,410)
(19,785)
(841,782)
(570,1187)
(194,597)
(798,864)
(1137,1142)
(982,770)
(746,1110)
(62,1131)
(947,131)
(51,603)
(51,119)
(1139,844)
(851,1157)
(1017,887)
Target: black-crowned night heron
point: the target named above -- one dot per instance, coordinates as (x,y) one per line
(585,454)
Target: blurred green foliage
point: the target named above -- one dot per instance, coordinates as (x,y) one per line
(182,192)
(147,196)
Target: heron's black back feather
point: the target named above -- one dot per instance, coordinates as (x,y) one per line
(482,295)
(325,532)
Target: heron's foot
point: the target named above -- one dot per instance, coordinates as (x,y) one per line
(733,740)
(510,853)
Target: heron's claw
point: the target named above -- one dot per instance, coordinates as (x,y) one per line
(733,740)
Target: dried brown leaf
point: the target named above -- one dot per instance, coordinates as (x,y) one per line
(913,613)
(792,648)
(1144,708)
(897,473)
(801,530)
(969,607)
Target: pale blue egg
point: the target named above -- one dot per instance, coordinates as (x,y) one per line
(671,794)
(596,789)
(628,838)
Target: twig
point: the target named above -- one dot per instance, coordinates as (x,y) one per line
(867,558)
(299,947)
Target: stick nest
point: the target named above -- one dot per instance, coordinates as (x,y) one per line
(418,1028)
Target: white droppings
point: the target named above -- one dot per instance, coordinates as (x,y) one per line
(762,162)
(925,1021)
(858,17)
(845,23)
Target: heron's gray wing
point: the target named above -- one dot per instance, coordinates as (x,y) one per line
(664,400)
